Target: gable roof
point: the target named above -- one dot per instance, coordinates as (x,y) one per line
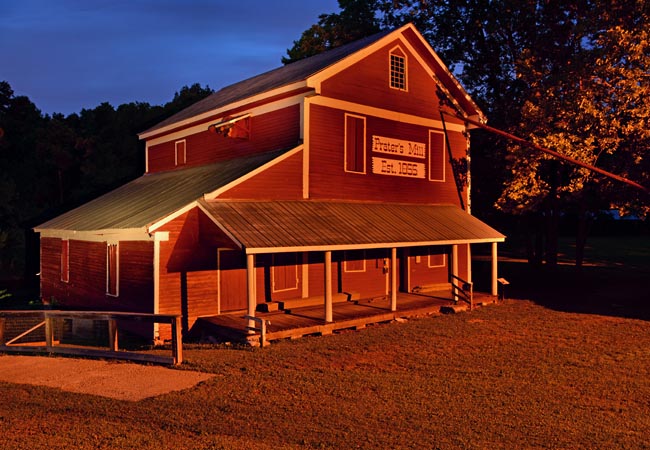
(154,196)
(304,225)
(303,69)
(281,76)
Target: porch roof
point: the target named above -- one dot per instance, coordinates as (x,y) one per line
(285,226)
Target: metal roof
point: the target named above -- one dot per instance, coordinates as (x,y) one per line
(267,81)
(154,196)
(273,226)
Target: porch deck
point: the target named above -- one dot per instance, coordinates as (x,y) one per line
(309,320)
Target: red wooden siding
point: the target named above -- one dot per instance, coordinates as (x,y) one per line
(368,82)
(188,268)
(271,131)
(421,272)
(355,144)
(86,288)
(283,181)
(65,261)
(373,280)
(329,180)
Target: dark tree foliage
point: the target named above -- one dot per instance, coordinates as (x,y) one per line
(532,65)
(355,21)
(50,164)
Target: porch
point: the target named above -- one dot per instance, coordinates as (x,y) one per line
(309,320)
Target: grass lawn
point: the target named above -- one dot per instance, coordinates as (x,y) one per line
(563,363)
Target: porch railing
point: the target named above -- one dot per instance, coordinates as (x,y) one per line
(462,290)
(51,320)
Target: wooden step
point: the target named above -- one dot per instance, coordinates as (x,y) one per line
(311,301)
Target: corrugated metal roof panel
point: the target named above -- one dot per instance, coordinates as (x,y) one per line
(282,76)
(264,226)
(154,196)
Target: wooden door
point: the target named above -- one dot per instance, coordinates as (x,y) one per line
(232,281)
(284,272)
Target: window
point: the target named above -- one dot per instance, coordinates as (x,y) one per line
(436,258)
(397,69)
(436,156)
(65,260)
(181,154)
(355,261)
(355,144)
(112,269)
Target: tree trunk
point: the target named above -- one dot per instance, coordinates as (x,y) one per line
(584,224)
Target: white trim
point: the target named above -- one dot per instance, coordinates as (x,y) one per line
(146,157)
(273,266)
(429,255)
(384,113)
(305,274)
(117,269)
(221,227)
(214,194)
(114,235)
(307,147)
(154,226)
(317,79)
(161,133)
(444,159)
(176,144)
(156,283)
(322,248)
(392,52)
(345,262)
(345,143)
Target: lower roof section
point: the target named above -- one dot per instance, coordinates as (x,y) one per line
(288,226)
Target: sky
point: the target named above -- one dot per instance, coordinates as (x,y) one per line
(66,55)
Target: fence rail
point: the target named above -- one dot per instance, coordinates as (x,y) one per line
(51,320)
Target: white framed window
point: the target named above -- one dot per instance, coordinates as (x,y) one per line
(65,260)
(435,259)
(354,261)
(112,270)
(397,65)
(355,144)
(436,156)
(180,152)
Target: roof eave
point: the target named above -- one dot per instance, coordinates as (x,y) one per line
(211,114)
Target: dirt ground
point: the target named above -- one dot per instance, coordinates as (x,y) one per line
(117,380)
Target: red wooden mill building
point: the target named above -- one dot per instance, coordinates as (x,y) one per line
(327,181)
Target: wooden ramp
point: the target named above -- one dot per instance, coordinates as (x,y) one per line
(309,320)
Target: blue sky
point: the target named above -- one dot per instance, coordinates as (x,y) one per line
(66,55)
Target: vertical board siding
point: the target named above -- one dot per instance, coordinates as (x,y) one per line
(271,131)
(368,82)
(283,181)
(420,274)
(86,288)
(329,180)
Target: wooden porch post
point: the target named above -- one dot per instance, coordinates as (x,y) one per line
(494,268)
(393,279)
(250,287)
(328,287)
(454,271)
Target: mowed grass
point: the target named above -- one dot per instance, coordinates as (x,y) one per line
(520,374)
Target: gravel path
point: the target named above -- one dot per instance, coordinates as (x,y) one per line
(118,380)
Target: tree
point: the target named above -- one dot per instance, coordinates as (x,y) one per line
(355,21)
(529,66)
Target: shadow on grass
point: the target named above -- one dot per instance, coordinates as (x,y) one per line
(619,291)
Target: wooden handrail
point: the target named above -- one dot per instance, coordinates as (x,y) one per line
(461,290)
(48,316)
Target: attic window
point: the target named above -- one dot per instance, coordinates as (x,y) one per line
(397,69)
(233,127)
